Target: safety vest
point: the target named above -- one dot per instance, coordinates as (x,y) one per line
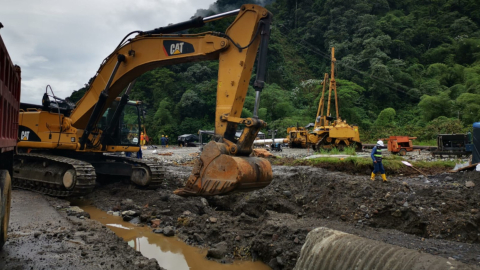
(378,154)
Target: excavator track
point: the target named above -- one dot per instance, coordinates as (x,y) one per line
(157,170)
(84,180)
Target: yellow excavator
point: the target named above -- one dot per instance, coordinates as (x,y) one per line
(329,132)
(64,146)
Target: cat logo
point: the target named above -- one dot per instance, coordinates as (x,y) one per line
(176,47)
(24,135)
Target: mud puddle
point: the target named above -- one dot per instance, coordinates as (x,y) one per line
(170,252)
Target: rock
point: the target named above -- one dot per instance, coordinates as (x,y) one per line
(296,241)
(218,251)
(37,234)
(237,238)
(168,231)
(117,214)
(474,211)
(287,193)
(242,215)
(448,178)
(144,218)
(343,217)
(204,202)
(128,213)
(397,213)
(400,195)
(387,195)
(469,184)
(363,208)
(166,212)
(110,212)
(175,197)
(213,219)
(127,218)
(158,231)
(127,201)
(274,237)
(135,220)
(155,222)
(197,237)
(405,204)
(74,209)
(280,261)
(187,213)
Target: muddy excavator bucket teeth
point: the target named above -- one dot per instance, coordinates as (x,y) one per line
(216,172)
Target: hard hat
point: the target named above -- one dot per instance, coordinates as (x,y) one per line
(166,136)
(380,143)
(163,135)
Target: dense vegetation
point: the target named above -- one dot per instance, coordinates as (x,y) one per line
(403,67)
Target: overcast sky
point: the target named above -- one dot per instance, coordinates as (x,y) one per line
(63,42)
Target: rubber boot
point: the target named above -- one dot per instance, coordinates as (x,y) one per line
(373,177)
(384,177)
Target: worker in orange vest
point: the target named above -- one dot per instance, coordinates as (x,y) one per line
(142,139)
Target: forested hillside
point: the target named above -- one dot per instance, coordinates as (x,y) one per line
(403,68)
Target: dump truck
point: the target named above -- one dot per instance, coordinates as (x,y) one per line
(9,106)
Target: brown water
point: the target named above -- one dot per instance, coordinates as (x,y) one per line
(170,252)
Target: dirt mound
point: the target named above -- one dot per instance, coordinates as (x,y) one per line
(438,215)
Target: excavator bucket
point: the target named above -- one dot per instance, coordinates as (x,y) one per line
(216,172)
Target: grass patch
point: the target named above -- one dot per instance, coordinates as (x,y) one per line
(425,143)
(334,151)
(350,151)
(447,164)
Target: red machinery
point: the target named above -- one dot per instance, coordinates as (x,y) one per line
(400,144)
(9,106)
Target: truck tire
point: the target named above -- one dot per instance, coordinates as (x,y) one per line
(6,201)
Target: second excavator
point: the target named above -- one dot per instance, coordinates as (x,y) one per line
(64,147)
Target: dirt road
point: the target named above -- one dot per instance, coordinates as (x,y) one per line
(40,237)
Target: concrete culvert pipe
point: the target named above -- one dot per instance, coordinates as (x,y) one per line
(334,250)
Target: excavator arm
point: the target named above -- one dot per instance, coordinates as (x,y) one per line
(224,165)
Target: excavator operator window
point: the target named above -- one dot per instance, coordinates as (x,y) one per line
(127,132)
(130,128)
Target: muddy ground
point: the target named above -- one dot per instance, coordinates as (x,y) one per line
(438,215)
(42,235)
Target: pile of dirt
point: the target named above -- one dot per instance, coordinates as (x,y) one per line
(438,214)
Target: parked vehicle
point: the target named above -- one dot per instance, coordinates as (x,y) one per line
(9,108)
